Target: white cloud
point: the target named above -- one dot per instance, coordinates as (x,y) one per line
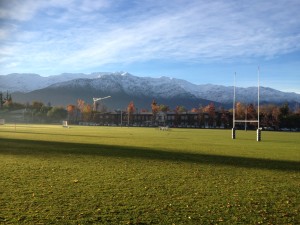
(85,34)
(91,5)
(18,10)
(184,35)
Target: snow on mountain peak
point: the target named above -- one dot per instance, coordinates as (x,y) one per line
(163,87)
(125,74)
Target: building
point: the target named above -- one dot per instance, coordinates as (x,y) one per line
(171,119)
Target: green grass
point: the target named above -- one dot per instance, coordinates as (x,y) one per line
(110,175)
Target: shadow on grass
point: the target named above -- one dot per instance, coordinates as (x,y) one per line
(46,148)
(59,134)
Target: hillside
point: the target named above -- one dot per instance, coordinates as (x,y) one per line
(123,87)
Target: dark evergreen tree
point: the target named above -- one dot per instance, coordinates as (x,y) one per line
(1,100)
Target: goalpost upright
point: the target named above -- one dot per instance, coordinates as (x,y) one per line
(258,97)
(258,132)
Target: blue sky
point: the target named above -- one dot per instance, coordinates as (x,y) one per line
(199,41)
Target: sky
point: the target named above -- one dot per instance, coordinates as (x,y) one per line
(197,40)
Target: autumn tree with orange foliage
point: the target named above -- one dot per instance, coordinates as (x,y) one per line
(80,105)
(155,109)
(72,113)
(194,110)
(211,111)
(85,110)
(130,110)
(87,113)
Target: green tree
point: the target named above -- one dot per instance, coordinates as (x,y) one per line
(1,100)
(37,105)
(180,109)
(41,114)
(57,114)
(163,108)
(284,115)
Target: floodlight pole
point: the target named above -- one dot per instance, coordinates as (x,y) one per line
(98,99)
(233,113)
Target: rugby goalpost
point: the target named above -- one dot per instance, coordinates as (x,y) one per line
(65,124)
(258,131)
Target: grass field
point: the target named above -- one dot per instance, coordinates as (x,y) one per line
(113,175)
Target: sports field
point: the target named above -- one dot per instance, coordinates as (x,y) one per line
(114,175)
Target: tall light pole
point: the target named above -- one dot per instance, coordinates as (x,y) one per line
(98,99)
(233,113)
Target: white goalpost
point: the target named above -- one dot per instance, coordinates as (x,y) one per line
(258,131)
(2,121)
(65,124)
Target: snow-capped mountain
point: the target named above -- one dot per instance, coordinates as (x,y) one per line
(143,86)
(166,87)
(67,88)
(26,82)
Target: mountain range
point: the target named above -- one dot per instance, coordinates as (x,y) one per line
(123,87)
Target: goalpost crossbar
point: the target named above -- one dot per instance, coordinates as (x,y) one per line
(246,121)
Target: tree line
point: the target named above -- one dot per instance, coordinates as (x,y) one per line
(271,115)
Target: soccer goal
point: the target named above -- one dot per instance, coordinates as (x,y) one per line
(65,124)
(2,121)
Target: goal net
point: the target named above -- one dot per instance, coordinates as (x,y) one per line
(2,121)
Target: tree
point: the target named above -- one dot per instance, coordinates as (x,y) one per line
(275,117)
(1,100)
(240,110)
(80,104)
(155,109)
(284,115)
(285,110)
(269,116)
(87,112)
(265,115)
(211,111)
(7,101)
(201,115)
(154,106)
(163,108)
(180,109)
(130,110)
(72,112)
(41,115)
(84,109)
(225,117)
(37,105)
(251,112)
(194,110)
(57,114)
